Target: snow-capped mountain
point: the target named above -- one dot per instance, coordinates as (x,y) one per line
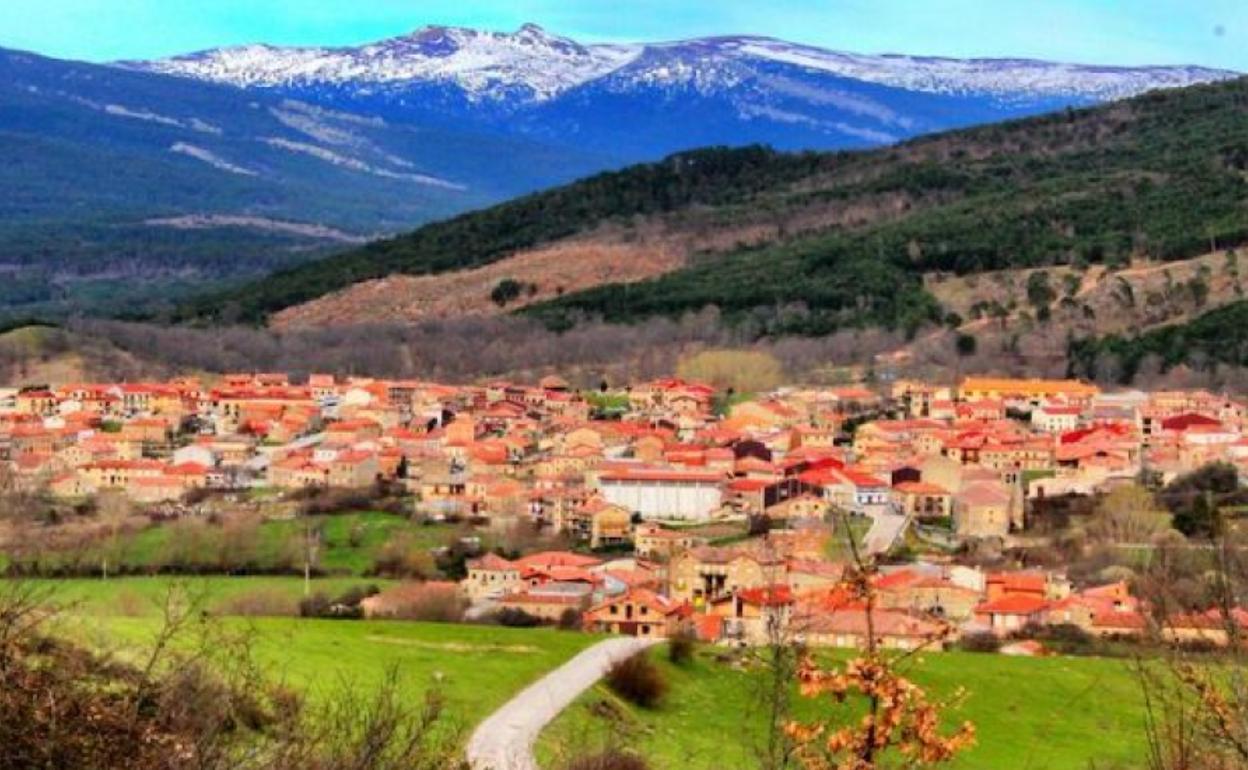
(127,170)
(238,160)
(533,65)
(639,101)
(529,64)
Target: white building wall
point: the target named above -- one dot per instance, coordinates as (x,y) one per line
(664,500)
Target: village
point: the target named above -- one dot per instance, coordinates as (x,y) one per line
(684,509)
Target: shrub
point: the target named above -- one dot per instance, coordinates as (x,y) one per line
(611,759)
(515,617)
(637,680)
(966,344)
(680,647)
(261,602)
(403,556)
(432,603)
(981,641)
(356,594)
(571,620)
(314,606)
(507,290)
(1066,638)
(201,704)
(197,495)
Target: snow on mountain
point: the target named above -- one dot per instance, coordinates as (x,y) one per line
(531,65)
(355,164)
(210,157)
(496,65)
(1002,77)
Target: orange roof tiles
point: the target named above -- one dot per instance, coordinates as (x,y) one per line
(1014,605)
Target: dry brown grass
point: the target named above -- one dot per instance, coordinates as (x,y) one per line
(565,267)
(261,602)
(1158,295)
(626,252)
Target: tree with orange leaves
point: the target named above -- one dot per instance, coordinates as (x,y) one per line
(900,726)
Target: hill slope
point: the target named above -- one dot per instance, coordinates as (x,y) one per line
(1213,339)
(135,185)
(819,241)
(640,101)
(135,177)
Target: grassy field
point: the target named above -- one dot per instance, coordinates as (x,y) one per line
(1037,714)
(144,596)
(1031,714)
(476,668)
(350,543)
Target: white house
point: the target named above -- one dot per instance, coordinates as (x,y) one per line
(1056,418)
(195,453)
(660,493)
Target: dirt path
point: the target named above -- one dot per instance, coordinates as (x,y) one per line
(504,741)
(885,529)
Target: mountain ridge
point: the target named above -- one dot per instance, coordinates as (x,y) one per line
(103,164)
(647,100)
(812,242)
(109,164)
(469,57)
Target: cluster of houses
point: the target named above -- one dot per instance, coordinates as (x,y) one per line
(968,456)
(640,472)
(767,593)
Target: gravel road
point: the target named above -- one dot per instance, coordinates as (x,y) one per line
(504,741)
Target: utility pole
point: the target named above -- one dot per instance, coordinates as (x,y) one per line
(310,541)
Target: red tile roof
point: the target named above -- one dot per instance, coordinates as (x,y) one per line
(1014,605)
(767,596)
(492,562)
(548,559)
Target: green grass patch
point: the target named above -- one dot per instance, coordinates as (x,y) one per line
(837,548)
(477,668)
(1048,713)
(144,596)
(350,545)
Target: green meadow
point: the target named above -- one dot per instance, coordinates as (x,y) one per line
(349,544)
(137,597)
(1058,713)
(475,667)
(1030,714)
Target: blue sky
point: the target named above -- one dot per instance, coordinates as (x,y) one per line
(1208,32)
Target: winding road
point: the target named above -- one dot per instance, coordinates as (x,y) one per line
(504,741)
(886,528)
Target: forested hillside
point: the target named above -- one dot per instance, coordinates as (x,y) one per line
(832,240)
(124,188)
(712,178)
(1219,337)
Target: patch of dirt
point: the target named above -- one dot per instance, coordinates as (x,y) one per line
(624,251)
(1096,300)
(525,649)
(564,267)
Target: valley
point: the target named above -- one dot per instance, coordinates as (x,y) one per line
(793,386)
(1027,234)
(140,185)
